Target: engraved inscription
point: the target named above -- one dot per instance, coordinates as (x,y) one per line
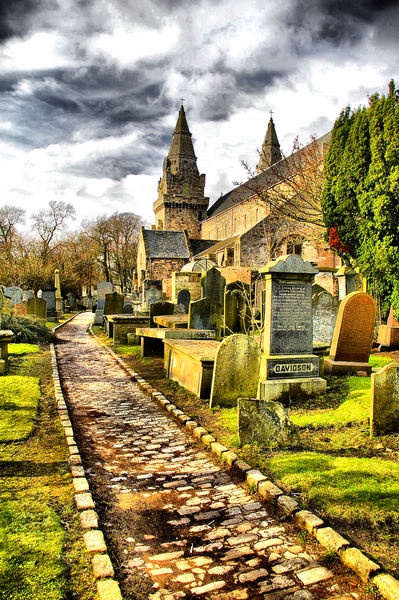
(291,313)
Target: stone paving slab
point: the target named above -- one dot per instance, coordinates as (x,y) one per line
(175,521)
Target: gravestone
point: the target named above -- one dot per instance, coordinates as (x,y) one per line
(237,311)
(289,369)
(353,335)
(103,288)
(48,294)
(160,308)
(388,335)
(384,408)
(37,307)
(236,370)
(14,293)
(2,299)
(213,285)
(204,314)
(265,422)
(20,309)
(152,292)
(325,310)
(113,304)
(183,298)
(71,299)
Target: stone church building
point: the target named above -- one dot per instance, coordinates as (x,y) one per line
(239,232)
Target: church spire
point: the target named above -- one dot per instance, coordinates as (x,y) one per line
(271,152)
(181,151)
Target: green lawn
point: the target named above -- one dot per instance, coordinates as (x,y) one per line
(42,554)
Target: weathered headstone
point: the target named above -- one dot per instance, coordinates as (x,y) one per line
(48,294)
(183,298)
(204,314)
(384,413)
(289,369)
(266,423)
(160,308)
(325,310)
(353,335)
(237,312)
(236,370)
(213,285)
(71,299)
(152,292)
(128,308)
(113,304)
(14,293)
(103,288)
(37,307)
(6,336)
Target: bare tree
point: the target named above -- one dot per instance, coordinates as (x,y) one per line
(10,217)
(49,222)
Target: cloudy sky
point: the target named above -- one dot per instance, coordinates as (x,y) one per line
(90,89)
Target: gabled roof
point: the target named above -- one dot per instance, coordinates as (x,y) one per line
(261,182)
(165,244)
(200,246)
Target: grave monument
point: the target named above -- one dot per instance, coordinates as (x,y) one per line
(104,287)
(289,369)
(384,409)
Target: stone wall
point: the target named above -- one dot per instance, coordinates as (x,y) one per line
(236,219)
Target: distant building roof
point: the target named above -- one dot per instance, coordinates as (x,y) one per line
(165,244)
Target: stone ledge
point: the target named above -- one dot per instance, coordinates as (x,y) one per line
(330,539)
(268,490)
(287,505)
(102,566)
(254,477)
(387,585)
(308,521)
(108,589)
(359,563)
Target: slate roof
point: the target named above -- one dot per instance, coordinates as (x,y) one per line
(200,246)
(165,244)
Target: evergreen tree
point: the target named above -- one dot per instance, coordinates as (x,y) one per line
(360,198)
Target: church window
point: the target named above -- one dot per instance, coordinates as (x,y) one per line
(186,189)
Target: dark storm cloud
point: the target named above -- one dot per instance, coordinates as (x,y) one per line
(13,17)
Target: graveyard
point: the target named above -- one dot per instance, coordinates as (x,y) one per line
(337,454)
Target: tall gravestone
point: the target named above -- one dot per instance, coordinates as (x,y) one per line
(58,296)
(213,285)
(325,310)
(237,312)
(384,409)
(183,298)
(103,288)
(152,292)
(235,371)
(353,335)
(48,294)
(289,369)
(113,304)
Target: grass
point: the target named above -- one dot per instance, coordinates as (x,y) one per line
(42,554)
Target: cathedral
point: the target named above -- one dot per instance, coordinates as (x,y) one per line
(239,233)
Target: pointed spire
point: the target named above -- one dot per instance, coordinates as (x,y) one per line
(271,152)
(181,148)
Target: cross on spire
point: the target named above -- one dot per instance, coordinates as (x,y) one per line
(182,100)
(271,113)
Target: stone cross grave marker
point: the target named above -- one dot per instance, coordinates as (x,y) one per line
(235,371)
(353,335)
(384,409)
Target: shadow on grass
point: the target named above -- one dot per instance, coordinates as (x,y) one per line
(27,468)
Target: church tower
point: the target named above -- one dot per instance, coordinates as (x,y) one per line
(270,153)
(181,204)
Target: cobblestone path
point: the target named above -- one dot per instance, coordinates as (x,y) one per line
(176,524)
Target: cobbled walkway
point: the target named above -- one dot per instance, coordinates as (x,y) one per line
(176,523)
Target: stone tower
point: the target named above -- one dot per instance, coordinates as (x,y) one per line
(181,204)
(270,152)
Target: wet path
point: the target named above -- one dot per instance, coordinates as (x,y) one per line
(176,524)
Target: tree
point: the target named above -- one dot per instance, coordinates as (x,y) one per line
(360,198)
(115,240)
(10,217)
(49,222)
